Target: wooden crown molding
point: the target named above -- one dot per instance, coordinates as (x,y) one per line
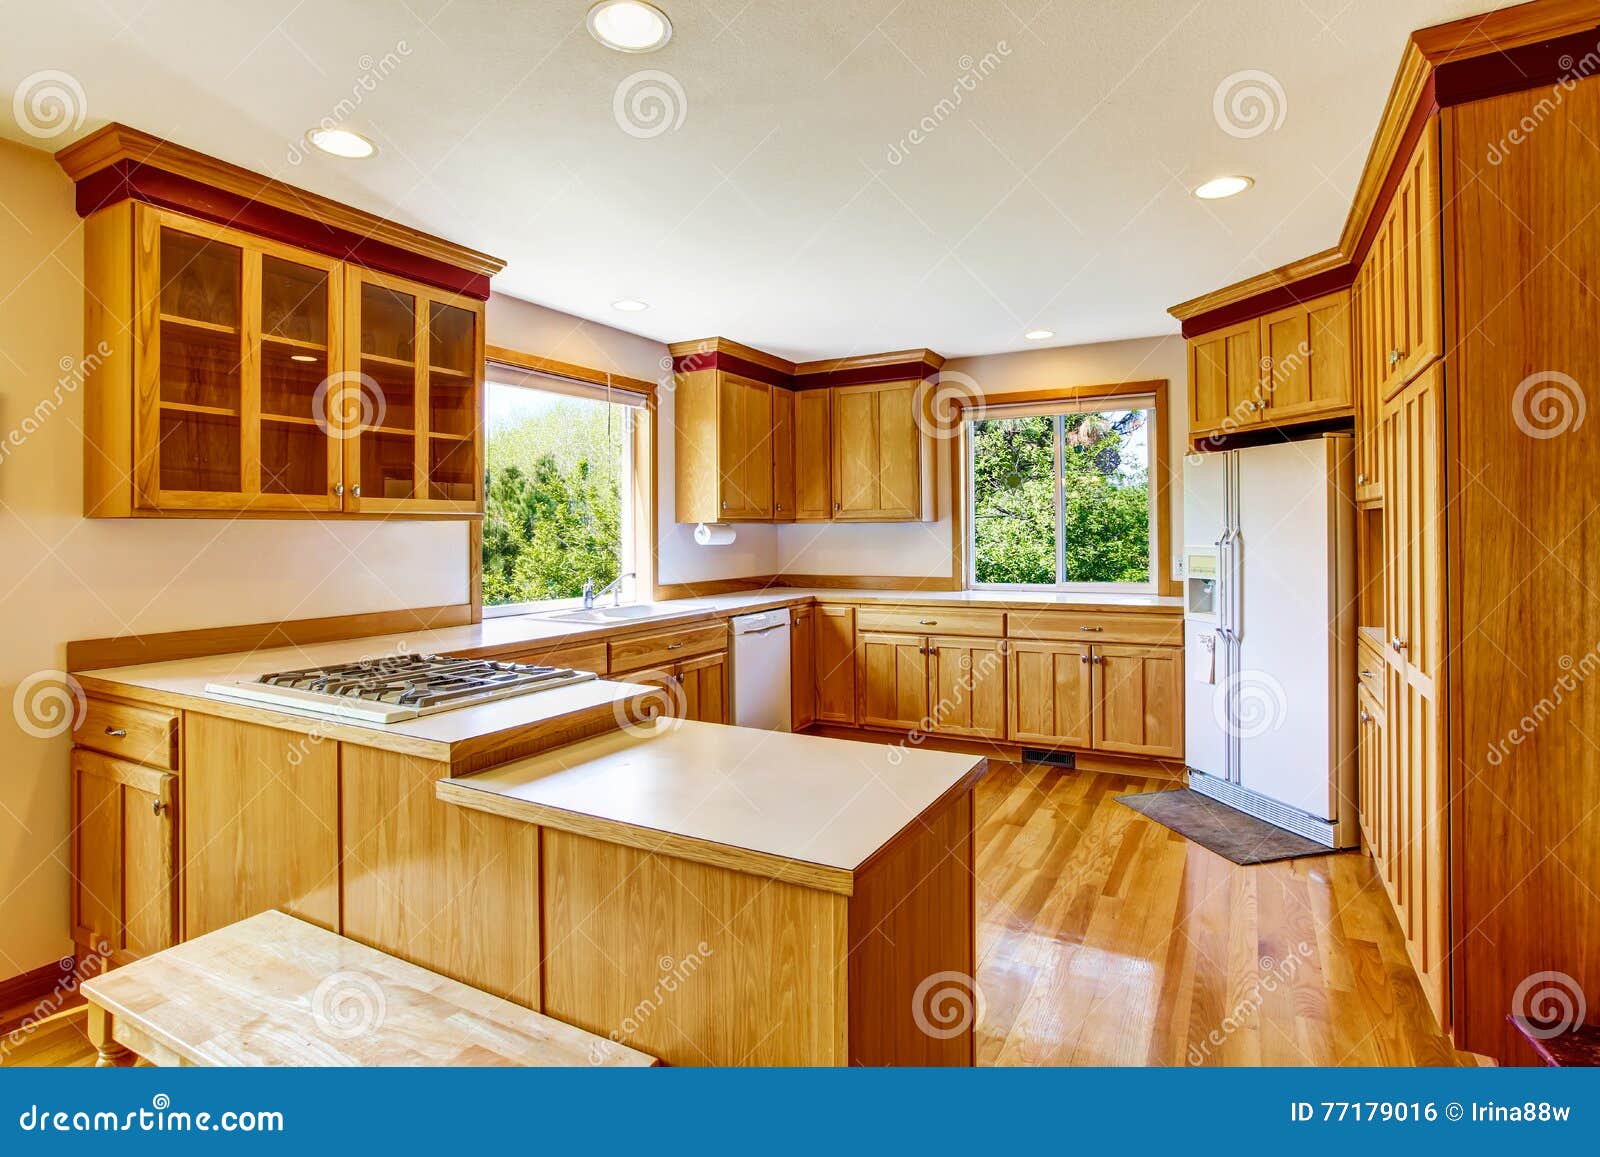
(720,353)
(924,357)
(571,371)
(118,144)
(722,345)
(1412,99)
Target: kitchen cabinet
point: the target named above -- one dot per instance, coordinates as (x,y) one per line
(1224,378)
(1407,271)
(1138,700)
(124,856)
(802,668)
(835,649)
(233,373)
(783,477)
(1367,304)
(882,457)
(813,455)
(967,687)
(1051,700)
(1307,360)
(724,437)
(690,663)
(704,681)
(410,397)
(892,680)
(260,824)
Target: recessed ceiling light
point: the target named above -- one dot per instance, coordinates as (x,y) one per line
(341,143)
(1219,187)
(1039,334)
(629,25)
(630,304)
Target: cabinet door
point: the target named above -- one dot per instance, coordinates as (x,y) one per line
(813,455)
(1050,702)
(1369,761)
(967,687)
(124,860)
(1138,700)
(1369,375)
(744,447)
(705,687)
(899,452)
(240,336)
(1225,378)
(835,636)
(802,669)
(1306,359)
(783,478)
(1396,552)
(1417,315)
(892,674)
(1417,515)
(260,824)
(409,407)
(855,452)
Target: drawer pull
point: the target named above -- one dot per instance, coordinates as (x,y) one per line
(928,622)
(673,646)
(117,732)
(1369,674)
(1091,628)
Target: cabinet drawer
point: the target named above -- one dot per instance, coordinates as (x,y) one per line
(1369,672)
(660,647)
(578,656)
(147,735)
(1113,627)
(930,620)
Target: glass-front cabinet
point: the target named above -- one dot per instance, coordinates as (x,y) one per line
(411,398)
(239,374)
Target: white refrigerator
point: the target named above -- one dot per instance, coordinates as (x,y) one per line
(1270,633)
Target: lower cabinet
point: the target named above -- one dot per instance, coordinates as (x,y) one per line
(802,669)
(947,686)
(1051,702)
(696,688)
(124,853)
(1138,700)
(834,639)
(892,677)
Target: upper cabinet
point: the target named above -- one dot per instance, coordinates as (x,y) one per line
(1290,366)
(227,371)
(749,450)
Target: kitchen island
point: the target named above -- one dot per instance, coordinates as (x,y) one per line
(719,895)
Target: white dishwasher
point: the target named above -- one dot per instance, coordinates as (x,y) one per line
(761,670)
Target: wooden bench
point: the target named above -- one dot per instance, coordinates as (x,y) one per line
(273,990)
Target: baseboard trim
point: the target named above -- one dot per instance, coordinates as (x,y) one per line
(23,997)
(1093,761)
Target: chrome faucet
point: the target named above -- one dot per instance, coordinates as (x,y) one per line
(612,588)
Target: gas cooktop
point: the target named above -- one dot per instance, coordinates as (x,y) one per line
(395,688)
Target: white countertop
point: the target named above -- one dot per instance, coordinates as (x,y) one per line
(829,802)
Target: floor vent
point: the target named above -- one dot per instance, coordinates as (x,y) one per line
(1066,759)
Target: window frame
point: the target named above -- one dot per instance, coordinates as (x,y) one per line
(637,399)
(1129,396)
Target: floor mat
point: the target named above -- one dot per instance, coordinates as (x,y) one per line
(1219,828)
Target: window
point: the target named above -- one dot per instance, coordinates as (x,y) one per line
(558,496)
(1059,495)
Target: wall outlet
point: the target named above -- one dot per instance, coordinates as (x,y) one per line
(1178,571)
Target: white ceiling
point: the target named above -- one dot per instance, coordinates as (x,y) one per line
(1053,195)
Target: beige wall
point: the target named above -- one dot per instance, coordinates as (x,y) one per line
(521,325)
(921,550)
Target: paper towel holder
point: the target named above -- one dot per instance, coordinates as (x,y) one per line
(714,534)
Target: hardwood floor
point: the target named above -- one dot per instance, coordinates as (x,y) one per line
(1106,939)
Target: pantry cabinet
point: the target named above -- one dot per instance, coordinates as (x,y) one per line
(229,373)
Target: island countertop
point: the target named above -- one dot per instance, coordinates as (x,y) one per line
(800,808)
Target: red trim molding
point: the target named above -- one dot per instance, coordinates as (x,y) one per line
(731,364)
(129,179)
(1564,60)
(865,375)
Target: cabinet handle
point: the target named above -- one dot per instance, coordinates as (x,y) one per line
(338,489)
(356,490)
(1361,479)
(1091,628)
(117,732)
(673,646)
(1394,356)
(780,506)
(1368,674)
(724,504)
(928,622)
(158,807)
(1085,659)
(1365,718)
(1094,659)
(836,508)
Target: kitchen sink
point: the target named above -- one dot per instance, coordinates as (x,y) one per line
(610,614)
